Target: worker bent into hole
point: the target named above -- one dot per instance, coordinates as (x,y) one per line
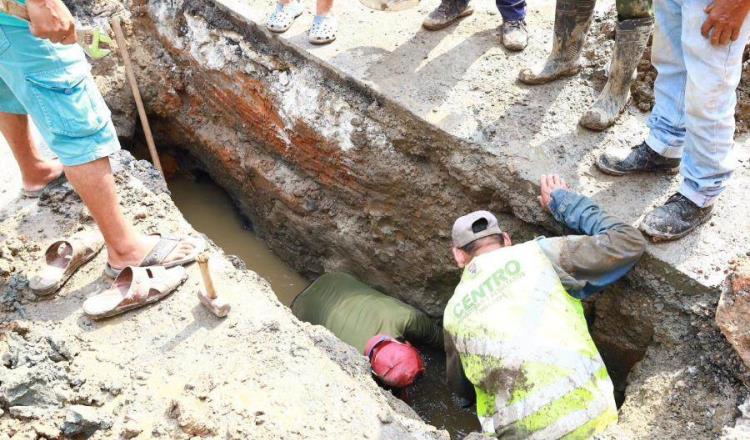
(377,325)
(516,338)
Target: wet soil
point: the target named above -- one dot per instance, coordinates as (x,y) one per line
(211,210)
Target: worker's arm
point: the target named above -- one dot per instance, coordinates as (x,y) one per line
(607,249)
(421,329)
(455,376)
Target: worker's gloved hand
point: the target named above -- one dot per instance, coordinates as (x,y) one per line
(51,20)
(549,185)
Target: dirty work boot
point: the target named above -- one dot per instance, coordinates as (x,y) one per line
(642,159)
(675,219)
(630,41)
(446,14)
(515,35)
(572,20)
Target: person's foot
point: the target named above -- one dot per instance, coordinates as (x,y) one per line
(640,159)
(37,178)
(283,16)
(631,40)
(323,30)
(675,219)
(133,255)
(515,35)
(447,13)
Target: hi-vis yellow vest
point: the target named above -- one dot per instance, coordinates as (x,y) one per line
(524,344)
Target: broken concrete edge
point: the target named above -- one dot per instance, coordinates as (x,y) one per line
(516,196)
(54,378)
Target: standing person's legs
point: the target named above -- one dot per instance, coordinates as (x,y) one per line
(515,34)
(323,7)
(713,73)
(324,27)
(662,150)
(53,84)
(36,171)
(667,120)
(634,23)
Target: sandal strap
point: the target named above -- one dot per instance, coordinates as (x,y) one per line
(160,251)
(143,281)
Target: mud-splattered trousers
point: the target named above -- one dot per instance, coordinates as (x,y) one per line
(515,335)
(693,116)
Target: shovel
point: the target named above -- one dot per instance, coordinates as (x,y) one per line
(390,5)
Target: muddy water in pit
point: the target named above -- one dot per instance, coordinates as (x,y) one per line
(211,211)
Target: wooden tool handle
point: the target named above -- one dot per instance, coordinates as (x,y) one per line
(206,275)
(122,45)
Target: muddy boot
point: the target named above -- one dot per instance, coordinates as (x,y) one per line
(675,219)
(515,35)
(642,159)
(446,14)
(572,20)
(630,41)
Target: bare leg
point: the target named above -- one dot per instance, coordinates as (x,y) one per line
(323,7)
(36,171)
(96,186)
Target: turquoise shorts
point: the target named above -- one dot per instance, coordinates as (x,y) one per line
(53,84)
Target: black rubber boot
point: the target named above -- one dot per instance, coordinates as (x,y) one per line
(642,159)
(630,41)
(675,219)
(447,13)
(572,20)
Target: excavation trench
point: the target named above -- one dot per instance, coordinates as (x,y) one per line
(212,211)
(342,162)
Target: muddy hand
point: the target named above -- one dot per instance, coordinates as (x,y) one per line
(549,185)
(724,22)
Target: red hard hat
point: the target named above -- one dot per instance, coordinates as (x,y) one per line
(396,363)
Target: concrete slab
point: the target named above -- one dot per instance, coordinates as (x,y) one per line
(462,81)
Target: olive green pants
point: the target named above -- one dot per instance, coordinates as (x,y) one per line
(630,9)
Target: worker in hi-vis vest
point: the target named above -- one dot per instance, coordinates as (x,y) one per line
(516,338)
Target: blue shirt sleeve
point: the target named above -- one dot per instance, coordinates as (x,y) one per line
(603,250)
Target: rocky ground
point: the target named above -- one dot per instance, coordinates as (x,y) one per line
(171,370)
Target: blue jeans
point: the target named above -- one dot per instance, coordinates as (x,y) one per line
(52,83)
(510,10)
(693,117)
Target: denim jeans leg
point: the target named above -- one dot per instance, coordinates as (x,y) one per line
(667,121)
(713,73)
(512,10)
